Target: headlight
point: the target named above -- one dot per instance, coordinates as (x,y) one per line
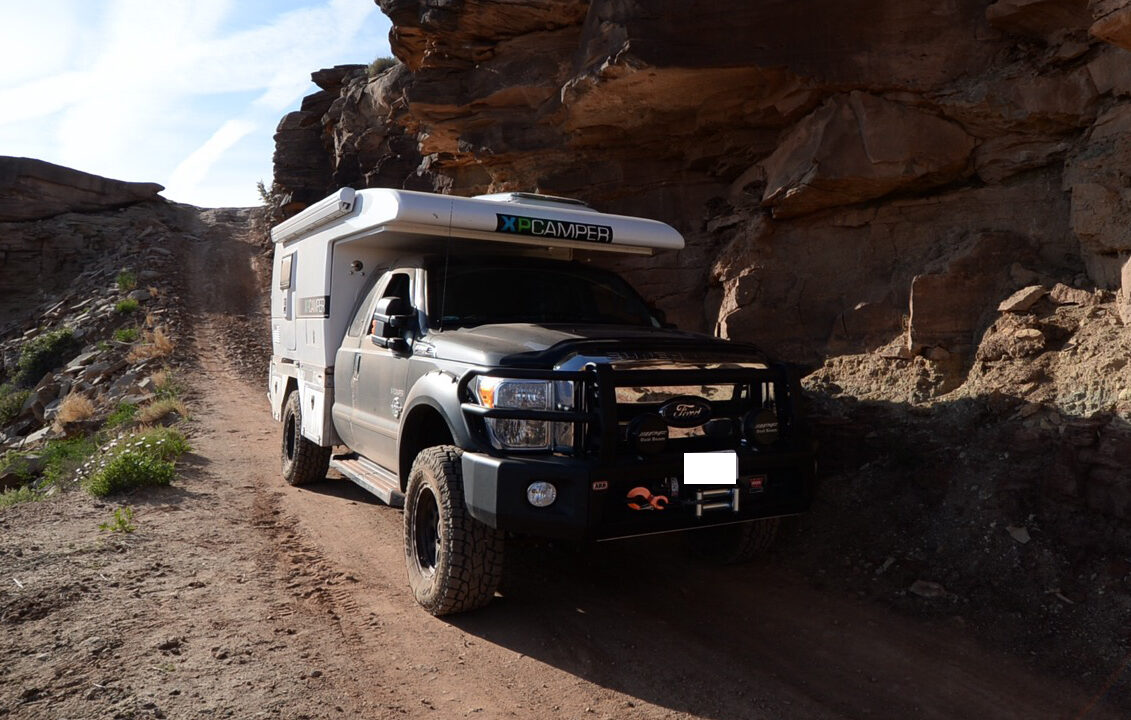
(495,392)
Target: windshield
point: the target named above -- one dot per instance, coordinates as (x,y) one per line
(532,293)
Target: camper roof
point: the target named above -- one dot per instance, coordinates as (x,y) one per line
(514,218)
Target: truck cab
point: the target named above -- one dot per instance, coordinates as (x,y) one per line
(492,382)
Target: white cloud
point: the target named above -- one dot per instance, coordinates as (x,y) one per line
(195,167)
(171,91)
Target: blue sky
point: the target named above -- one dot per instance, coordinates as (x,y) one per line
(186,93)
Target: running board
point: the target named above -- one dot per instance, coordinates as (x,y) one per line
(370,476)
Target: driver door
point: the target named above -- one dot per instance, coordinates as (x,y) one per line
(377,386)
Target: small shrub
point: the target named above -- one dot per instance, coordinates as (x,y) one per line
(166,385)
(122,415)
(63,457)
(44,353)
(130,468)
(11,402)
(159,409)
(145,458)
(17,463)
(74,407)
(155,344)
(122,521)
(126,335)
(165,443)
(104,345)
(126,280)
(380,65)
(127,306)
(11,497)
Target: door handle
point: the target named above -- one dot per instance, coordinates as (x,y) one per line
(356,364)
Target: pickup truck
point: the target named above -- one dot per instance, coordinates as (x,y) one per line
(456,356)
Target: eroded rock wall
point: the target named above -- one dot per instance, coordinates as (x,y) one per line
(849,175)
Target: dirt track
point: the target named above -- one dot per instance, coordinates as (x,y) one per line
(239,596)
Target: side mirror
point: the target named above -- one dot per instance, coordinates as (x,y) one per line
(390,317)
(661,318)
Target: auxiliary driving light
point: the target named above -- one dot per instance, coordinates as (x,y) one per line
(541,494)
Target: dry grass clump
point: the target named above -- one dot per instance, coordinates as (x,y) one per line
(158,410)
(153,292)
(155,344)
(75,407)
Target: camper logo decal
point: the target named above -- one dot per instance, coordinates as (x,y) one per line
(314,307)
(557,229)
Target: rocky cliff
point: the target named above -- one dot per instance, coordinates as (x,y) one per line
(828,161)
(863,187)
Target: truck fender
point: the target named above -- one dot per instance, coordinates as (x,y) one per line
(432,395)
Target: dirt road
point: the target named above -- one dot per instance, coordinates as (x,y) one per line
(239,596)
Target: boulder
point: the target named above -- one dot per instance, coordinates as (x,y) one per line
(1062,294)
(1114,28)
(858,147)
(33,189)
(1039,18)
(1022,300)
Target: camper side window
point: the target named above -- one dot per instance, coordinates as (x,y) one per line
(285,272)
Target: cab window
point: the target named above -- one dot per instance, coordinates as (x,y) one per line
(398,286)
(361,314)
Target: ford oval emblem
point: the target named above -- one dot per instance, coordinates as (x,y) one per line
(686,412)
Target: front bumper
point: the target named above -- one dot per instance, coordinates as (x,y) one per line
(595,500)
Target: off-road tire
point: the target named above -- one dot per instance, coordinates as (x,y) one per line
(454,561)
(303,460)
(733,544)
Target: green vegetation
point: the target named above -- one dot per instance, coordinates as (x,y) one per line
(146,458)
(380,65)
(126,335)
(126,281)
(127,306)
(166,386)
(64,456)
(122,415)
(16,462)
(44,353)
(104,345)
(122,522)
(11,402)
(9,498)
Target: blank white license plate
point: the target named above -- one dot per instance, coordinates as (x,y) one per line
(711,468)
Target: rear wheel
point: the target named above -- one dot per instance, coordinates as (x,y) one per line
(303,460)
(454,561)
(732,544)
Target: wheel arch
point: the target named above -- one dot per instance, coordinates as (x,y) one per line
(424,426)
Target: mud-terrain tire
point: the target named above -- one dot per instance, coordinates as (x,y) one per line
(303,460)
(454,561)
(733,544)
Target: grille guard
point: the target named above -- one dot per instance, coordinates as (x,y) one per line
(603,380)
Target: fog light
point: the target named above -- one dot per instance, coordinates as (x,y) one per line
(541,494)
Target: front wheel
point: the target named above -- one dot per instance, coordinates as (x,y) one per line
(732,544)
(303,460)
(454,561)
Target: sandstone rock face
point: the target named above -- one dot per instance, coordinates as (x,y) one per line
(33,189)
(858,147)
(848,175)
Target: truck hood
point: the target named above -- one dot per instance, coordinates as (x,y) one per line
(526,345)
